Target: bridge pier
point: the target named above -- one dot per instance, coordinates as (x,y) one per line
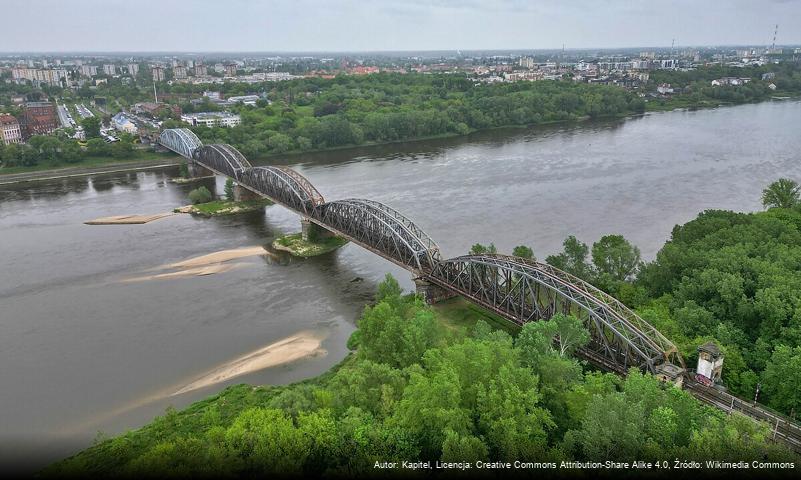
(430,292)
(311,232)
(242,194)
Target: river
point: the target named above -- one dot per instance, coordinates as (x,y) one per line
(83,351)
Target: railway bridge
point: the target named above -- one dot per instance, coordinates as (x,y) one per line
(516,289)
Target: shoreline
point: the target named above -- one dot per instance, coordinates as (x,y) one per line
(84,171)
(130,166)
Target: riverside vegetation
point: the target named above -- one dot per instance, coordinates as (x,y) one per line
(317,114)
(442,383)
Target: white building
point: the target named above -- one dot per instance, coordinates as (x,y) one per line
(133,69)
(88,70)
(122,123)
(710,362)
(246,99)
(212,119)
(9,130)
(110,70)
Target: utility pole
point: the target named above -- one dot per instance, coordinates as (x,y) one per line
(156,95)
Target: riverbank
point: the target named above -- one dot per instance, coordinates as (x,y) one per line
(295,245)
(112,454)
(683,102)
(91,167)
(102,165)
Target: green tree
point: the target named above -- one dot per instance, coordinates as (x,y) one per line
(523,251)
(783,193)
(573,258)
(91,127)
(200,195)
(462,448)
(229,190)
(781,380)
(479,249)
(267,441)
(614,256)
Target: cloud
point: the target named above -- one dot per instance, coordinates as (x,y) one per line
(358,25)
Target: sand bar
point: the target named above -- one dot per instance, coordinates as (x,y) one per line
(219,257)
(128,219)
(290,349)
(189,272)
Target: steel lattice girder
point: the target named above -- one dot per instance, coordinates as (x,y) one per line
(283,186)
(223,159)
(383,229)
(525,291)
(181,141)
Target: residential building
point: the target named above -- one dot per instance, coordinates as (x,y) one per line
(664,89)
(109,70)
(88,70)
(38,118)
(123,123)
(212,119)
(179,72)
(133,69)
(10,131)
(732,81)
(363,70)
(200,70)
(246,99)
(527,62)
(38,76)
(158,73)
(230,70)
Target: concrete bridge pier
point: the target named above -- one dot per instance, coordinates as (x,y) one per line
(311,232)
(242,194)
(430,292)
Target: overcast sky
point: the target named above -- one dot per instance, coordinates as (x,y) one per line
(365,25)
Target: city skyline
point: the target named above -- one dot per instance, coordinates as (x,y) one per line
(392,25)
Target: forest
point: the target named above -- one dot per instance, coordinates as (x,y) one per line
(695,89)
(727,277)
(319,113)
(438,383)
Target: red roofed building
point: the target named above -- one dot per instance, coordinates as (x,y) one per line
(38,118)
(363,70)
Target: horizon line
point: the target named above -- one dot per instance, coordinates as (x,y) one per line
(515,49)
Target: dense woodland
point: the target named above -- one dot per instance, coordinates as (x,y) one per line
(732,278)
(696,90)
(419,386)
(352,110)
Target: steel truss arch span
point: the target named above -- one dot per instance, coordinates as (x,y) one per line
(223,159)
(525,291)
(181,141)
(382,229)
(284,186)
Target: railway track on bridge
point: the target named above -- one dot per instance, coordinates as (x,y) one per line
(782,428)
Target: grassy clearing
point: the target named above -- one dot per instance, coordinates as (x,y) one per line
(88,162)
(224,207)
(459,314)
(295,245)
